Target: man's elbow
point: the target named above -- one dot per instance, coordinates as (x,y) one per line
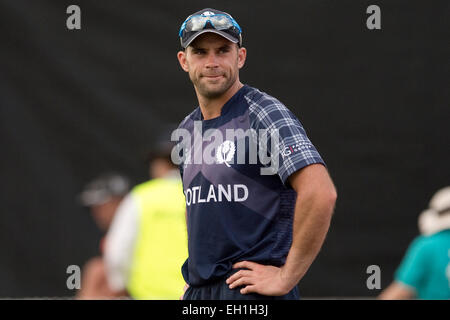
(331,199)
(327,201)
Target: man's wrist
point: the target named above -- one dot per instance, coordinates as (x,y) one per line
(289,277)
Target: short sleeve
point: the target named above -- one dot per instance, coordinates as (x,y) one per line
(413,268)
(295,150)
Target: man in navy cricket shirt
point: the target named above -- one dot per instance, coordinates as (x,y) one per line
(254,226)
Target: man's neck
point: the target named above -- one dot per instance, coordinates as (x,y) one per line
(211,108)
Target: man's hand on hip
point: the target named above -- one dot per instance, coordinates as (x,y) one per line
(261,279)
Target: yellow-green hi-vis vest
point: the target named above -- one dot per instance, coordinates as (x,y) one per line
(161,246)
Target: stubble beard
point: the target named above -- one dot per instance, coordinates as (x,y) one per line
(212,91)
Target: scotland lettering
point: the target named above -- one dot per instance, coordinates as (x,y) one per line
(230,193)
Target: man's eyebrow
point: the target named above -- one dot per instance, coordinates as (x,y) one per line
(197,48)
(225,46)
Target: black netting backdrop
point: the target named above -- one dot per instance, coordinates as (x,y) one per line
(74,104)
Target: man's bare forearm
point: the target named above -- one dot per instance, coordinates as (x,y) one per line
(311,223)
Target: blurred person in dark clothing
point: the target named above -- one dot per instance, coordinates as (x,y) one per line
(103,196)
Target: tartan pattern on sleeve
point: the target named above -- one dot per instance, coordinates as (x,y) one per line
(295,149)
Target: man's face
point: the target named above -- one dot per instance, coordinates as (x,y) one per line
(213,64)
(104,213)
(159,167)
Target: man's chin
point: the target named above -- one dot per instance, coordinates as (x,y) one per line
(212,94)
(213,90)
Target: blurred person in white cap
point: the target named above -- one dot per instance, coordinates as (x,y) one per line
(103,196)
(424,272)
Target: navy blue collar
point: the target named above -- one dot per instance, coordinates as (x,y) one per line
(226,107)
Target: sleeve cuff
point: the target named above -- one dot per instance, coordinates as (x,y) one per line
(285,174)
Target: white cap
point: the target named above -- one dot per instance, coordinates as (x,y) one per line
(437,217)
(440,202)
(104,188)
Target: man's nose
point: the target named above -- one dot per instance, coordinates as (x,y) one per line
(212,61)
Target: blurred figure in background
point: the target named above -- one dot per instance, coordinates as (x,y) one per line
(147,243)
(424,272)
(103,196)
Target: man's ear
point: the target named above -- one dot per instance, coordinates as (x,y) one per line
(181,55)
(242,55)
